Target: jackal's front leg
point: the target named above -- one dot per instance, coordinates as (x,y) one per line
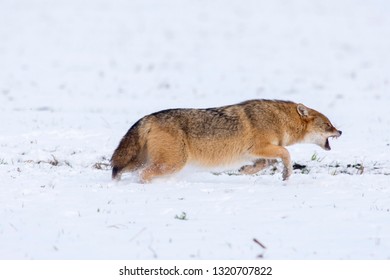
(276,152)
(257,166)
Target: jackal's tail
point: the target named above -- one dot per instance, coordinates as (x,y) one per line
(127,154)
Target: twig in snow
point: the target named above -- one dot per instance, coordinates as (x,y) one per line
(259,243)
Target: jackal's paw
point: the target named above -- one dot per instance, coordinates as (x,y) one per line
(286,173)
(144,178)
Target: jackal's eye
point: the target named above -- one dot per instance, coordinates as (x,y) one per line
(328,126)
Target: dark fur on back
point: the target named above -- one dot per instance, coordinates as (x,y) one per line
(212,122)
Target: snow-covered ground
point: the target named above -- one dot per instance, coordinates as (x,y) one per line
(75,75)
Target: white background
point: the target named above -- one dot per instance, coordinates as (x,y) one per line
(75,75)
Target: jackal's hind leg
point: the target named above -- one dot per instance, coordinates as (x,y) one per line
(257,166)
(166,155)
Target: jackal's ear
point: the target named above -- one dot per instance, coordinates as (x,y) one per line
(303,110)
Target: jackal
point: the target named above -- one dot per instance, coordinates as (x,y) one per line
(163,142)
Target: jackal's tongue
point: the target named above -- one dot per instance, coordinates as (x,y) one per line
(327,146)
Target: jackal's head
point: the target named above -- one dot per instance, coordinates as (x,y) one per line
(318,127)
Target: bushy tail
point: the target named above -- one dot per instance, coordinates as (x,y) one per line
(128,150)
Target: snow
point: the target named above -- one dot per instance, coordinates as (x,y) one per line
(75,75)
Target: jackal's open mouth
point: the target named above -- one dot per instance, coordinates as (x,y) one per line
(327,146)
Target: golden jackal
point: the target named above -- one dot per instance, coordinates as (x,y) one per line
(163,142)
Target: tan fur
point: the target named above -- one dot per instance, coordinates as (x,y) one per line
(164,142)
